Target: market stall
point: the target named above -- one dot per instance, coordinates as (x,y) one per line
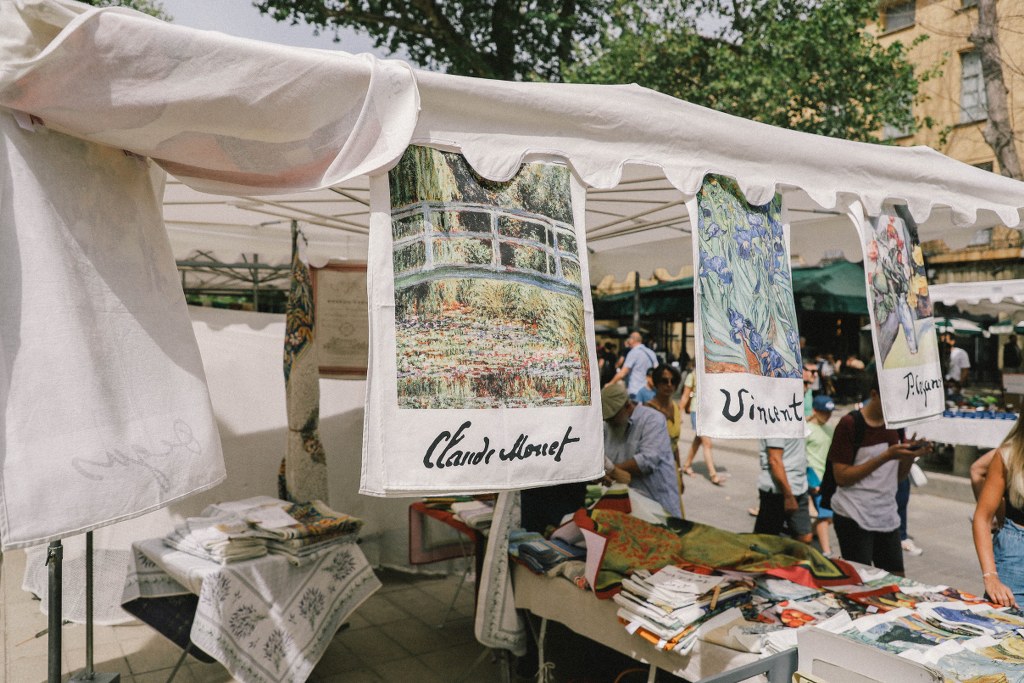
(263,124)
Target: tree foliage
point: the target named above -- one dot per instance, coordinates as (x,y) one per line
(801,64)
(504,39)
(151,7)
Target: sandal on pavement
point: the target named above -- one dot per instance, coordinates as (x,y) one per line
(717,480)
(689,472)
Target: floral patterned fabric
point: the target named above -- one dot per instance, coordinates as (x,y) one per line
(265,620)
(748,347)
(304,471)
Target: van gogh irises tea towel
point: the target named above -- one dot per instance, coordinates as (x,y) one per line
(747,343)
(482,373)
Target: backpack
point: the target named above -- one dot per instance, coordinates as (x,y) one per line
(828,479)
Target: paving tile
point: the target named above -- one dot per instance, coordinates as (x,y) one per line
(150,654)
(28,669)
(461,662)
(338,658)
(379,610)
(357,676)
(409,669)
(416,637)
(106,657)
(209,672)
(418,603)
(371,645)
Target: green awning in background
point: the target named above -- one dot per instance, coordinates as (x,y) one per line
(835,288)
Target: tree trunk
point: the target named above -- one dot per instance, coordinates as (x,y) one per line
(998,132)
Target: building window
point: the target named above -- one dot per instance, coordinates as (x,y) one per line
(985,166)
(899,15)
(891,132)
(973,106)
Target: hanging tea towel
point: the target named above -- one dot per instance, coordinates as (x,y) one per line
(482,375)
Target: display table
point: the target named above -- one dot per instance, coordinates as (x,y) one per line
(559,600)
(265,620)
(962,431)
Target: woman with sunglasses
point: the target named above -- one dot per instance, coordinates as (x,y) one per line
(666,381)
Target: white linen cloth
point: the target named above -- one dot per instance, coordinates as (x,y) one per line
(963,431)
(497,623)
(746,343)
(106,414)
(265,620)
(464,338)
(902,324)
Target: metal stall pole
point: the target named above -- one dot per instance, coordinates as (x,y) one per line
(88,674)
(636,301)
(54,557)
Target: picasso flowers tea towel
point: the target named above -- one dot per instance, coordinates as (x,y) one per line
(902,326)
(747,343)
(482,376)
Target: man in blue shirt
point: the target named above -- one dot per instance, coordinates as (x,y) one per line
(636,440)
(634,369)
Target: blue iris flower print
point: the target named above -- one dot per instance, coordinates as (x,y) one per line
(716,265)
(744,243)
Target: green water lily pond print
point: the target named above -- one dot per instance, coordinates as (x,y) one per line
(488,286)
(746,289)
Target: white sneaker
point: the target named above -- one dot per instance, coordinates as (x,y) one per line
(910,548)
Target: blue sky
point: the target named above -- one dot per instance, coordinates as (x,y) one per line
(240,18)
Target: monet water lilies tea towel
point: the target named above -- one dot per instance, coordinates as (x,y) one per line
(105,406)
(482,374)
(748,347)
(902,327)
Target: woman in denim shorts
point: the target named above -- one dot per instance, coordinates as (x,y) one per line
(1002,555)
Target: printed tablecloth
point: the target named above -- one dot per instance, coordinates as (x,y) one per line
(265,620)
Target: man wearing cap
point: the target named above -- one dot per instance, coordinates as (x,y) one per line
(819,438)
(636,440)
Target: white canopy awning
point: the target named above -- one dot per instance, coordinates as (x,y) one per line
(267,124)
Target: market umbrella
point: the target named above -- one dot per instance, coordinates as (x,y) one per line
(303,474)
(960,326)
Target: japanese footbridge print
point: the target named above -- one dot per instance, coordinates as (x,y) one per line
(484,241)
(488,286)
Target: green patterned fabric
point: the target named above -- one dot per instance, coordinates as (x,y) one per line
(303,475)
(634,544)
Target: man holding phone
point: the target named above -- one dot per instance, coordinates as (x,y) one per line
(869,461)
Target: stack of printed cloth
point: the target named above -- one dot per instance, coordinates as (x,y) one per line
(250,528)
(965,641)
(668,606)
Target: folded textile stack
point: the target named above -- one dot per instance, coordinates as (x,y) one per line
(316,527)
(540,554)
(222,538)
(474,513)
(667,607)
(242,530)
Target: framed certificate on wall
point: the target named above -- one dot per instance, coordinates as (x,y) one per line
(342,320)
